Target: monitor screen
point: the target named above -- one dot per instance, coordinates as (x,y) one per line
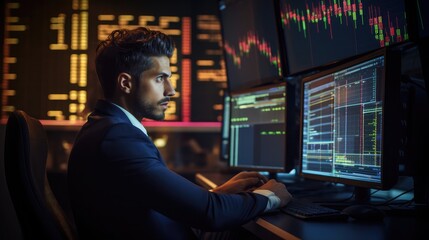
(258,129)
(350,120)
(250,42)
(318,33)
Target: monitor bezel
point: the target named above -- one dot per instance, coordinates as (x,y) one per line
(390,119)
(224,129)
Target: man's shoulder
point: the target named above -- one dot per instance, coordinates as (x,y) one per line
(108,124)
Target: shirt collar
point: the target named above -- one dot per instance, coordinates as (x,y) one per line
(133,119)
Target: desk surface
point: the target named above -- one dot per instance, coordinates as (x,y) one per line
(279,225)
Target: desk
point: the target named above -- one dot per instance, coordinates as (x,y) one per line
(279,225)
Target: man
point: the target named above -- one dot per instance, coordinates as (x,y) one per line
(119,185)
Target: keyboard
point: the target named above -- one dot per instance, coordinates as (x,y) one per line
(311,211)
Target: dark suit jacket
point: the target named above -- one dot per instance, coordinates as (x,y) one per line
(120,187)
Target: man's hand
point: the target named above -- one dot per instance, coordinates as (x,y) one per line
(279,189)
(243,181)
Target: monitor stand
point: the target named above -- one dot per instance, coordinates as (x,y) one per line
(272,175)
(362,195)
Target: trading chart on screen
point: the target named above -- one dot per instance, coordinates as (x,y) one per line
(319,32)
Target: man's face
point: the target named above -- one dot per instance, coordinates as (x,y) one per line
(151,97)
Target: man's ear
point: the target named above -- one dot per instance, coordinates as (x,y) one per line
(125,82)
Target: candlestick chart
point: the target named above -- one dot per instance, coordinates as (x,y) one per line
(318,32)
(251,43)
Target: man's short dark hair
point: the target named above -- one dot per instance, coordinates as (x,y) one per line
(129,51)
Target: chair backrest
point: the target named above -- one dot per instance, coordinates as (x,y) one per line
(25,154)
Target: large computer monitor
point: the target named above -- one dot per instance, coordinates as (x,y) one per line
(258,132)
(350,123)
(250,42)
(418,19)
(422,15)
(318,33)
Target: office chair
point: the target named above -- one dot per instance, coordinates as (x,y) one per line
(25,154)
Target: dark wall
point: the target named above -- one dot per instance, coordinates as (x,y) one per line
(9,226)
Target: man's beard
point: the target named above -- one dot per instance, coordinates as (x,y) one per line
(147,110)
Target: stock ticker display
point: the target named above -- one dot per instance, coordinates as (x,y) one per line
(49,50)
(321,32)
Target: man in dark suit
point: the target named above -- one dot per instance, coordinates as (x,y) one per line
(119,185)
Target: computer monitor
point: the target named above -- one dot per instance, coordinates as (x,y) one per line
(258,132)
(319,33)
(422,14)
(417,19)
(350,120)
(250,39)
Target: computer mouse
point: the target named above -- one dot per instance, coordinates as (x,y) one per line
(364,212)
